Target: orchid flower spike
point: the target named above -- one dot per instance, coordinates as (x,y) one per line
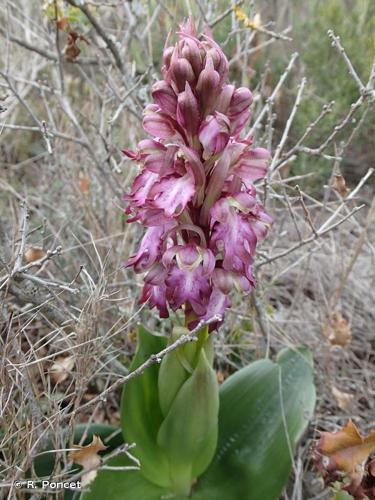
(195,192)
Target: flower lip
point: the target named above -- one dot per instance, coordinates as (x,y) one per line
(189,257)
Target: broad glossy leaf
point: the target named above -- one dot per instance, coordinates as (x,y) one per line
(141,415)
(264,409)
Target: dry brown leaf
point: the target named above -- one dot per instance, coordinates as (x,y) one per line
(34,253)
(348,454)
(220,377)
(61,369)
(87,456)
(337,330)
(84,184)
(62,24)
(339,185)
(343,399)
(72,50)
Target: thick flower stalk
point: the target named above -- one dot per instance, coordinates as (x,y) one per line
(195,193)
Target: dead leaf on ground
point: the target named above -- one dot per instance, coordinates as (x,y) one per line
(343,399)
(34,253)
(347,457)
(61,369)
(339,185)
(84,183)
(337,330)
(87,456)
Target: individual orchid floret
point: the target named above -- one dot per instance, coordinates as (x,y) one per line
(214,134)
(195,193)
(165,97)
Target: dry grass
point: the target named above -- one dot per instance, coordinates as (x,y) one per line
(62,177)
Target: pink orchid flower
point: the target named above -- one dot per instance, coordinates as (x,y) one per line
(195,193)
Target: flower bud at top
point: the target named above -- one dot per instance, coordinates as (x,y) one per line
(167,55)
(208,85)
(224,99)
(181,72)
(188,112)
(239,111)
(191,52)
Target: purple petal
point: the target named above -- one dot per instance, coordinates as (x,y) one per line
(241,101)
(188,28)
(252,165)
(149,250)
(216,183)
(155,296)
(165,97)
(217,305)
(157,123)
(238,111)
(226,280)
(197,168)
(214,134)
(233,236)
(162,162)
(141,188)
(150,217)
(172,194)
(148,146)
(224,99)
(187,286)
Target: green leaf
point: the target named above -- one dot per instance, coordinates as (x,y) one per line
(179,364)
(141,415)
(172,374)
(122,484)
(258,429)
(188,433)
(342,495)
